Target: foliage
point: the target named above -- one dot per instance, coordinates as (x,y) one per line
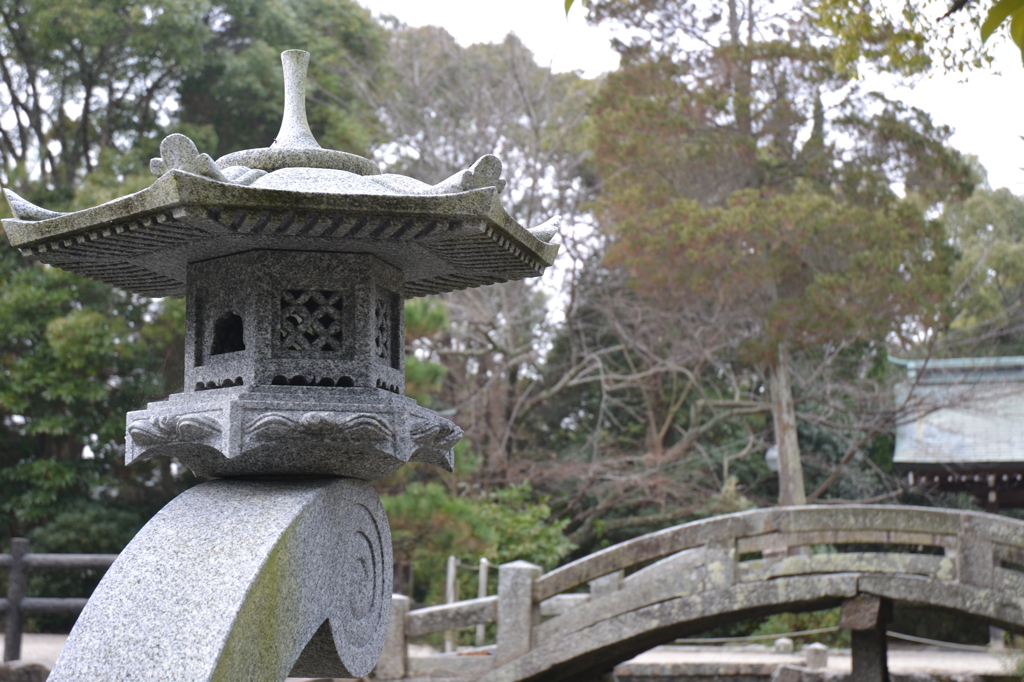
(987,233)
(910,40)
(34,491)
(443,106)
(76,355)
(429,523)
(84,77)
(811,270)
(425,319)
(1003,10)
(907,39)
(768,230)
(784,623)
(93,85)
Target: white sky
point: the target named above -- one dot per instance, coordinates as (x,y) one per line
(985,111)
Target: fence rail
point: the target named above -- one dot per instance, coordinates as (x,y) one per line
(17,605)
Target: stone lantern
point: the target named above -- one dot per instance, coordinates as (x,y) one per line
(294,261)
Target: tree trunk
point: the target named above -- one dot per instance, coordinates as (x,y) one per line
(791,473)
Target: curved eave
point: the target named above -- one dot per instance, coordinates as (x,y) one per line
(142,242)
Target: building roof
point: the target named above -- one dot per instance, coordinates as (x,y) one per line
(963,413)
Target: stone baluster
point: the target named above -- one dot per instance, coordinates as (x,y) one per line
(606,585)
(515,609)
(977,561)
(721,564)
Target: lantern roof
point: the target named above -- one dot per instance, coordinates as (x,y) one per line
(292,196)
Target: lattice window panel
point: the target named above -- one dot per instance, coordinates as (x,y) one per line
(382,339)
(311,320)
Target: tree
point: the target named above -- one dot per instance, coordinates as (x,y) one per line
(912,39)
(429,524)
(622,448)
(908,41)
(75,356)
(94,86)
(82,78)
(237,91)
(443,106)
(987,232)
(731,191)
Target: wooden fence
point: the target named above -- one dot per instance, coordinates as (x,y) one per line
(18,563)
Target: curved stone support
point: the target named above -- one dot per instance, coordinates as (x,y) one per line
(243,580)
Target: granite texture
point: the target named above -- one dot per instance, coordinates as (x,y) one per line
(23,209)
(294,366)
(291,431)
(237,580)
(275,158)
(178,152)
(485,172)
(295,132)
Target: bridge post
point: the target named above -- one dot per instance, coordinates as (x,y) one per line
(866,616)
(391,665)
(15,617)
(515,609)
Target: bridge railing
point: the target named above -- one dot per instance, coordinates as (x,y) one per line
(749,548)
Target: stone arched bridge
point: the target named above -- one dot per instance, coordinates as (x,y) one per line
(690,578)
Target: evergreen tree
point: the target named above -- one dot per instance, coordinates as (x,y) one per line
(729,185)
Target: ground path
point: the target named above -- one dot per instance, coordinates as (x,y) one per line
(686,661)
